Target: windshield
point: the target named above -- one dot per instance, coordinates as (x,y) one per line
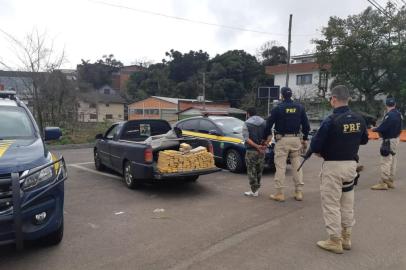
(229,125)
(15,123)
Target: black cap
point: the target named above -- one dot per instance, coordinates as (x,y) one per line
(390,102)
(286,92)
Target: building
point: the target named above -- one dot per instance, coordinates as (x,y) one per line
(156,107)
(121,77)
(306,78)
(103,104)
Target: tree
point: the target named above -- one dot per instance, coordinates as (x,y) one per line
(271,54)
(100,72)
(35,53)
(366,52)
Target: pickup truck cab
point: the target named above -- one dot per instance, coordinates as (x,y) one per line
(31,178)
(124,148)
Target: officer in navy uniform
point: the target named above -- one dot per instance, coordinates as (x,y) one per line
(288,117)
(337,142)
(389,130)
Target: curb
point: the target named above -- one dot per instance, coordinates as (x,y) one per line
(70,146)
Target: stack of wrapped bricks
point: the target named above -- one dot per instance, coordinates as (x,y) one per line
(185,160)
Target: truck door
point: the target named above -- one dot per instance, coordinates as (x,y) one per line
(104,145)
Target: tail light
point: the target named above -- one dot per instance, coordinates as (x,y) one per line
(210,148)
(148,155)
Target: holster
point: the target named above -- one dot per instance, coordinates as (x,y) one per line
(385,148)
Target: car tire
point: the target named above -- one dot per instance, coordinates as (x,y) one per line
(129,179)
(53,238)
(97,162)
(234,161)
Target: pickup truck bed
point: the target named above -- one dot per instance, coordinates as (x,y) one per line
(124,150)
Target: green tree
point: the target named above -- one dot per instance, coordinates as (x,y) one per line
(271,54)
(99,73)
(366,52)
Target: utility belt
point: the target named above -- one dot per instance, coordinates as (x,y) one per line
(279,136)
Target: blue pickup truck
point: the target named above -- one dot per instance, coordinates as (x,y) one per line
(31,178)
(131,148)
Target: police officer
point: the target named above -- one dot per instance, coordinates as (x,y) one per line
(253,133)
(337,142)
(288,117)
(389,130)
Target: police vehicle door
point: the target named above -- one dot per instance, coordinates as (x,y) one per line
(207,127)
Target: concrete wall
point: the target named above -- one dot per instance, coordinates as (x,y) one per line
(114,109)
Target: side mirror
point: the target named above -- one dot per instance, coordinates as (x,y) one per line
(178,132)
(52,133)
(214,132)
(99,136)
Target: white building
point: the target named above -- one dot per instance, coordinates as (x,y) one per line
(306,77)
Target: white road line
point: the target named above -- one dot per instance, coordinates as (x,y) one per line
(82,163)
(94,171)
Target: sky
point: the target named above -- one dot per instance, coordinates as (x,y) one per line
(88,29)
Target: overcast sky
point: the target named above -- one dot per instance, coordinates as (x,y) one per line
(87,29)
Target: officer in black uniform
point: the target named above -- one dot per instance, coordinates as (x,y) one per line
(389,130)
(337,142)
(288,117)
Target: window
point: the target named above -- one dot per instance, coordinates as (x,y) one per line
(107,105)
(229,125)
(152,111)
(138,111)
(191,125)
(93,116)
(141,129)
(206,126)
(109,116)
(92,105)
(323,82)
(15,123)
(112,131)
(106,91)
(304,79)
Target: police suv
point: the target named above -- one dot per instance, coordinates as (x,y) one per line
(31,178)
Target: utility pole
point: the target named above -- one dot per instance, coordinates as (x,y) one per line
(289,42)
(204,91)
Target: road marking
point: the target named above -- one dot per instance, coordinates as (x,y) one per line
(82,163)
(119,213)
(94,171)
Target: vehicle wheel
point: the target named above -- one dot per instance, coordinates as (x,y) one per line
(234,161)
(97,162)
(192,178)
(128,176)
(54,238)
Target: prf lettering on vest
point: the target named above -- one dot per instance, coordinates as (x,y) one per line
(290,110)
(352,128)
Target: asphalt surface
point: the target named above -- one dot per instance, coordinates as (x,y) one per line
(210,225)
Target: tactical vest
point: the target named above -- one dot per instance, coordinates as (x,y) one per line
(256,134)
(344,137)
(290,118)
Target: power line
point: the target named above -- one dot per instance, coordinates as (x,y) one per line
(379,8)
(235,28)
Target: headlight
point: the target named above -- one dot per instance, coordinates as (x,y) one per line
(42,177)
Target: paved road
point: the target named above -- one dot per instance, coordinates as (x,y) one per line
(210,225)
